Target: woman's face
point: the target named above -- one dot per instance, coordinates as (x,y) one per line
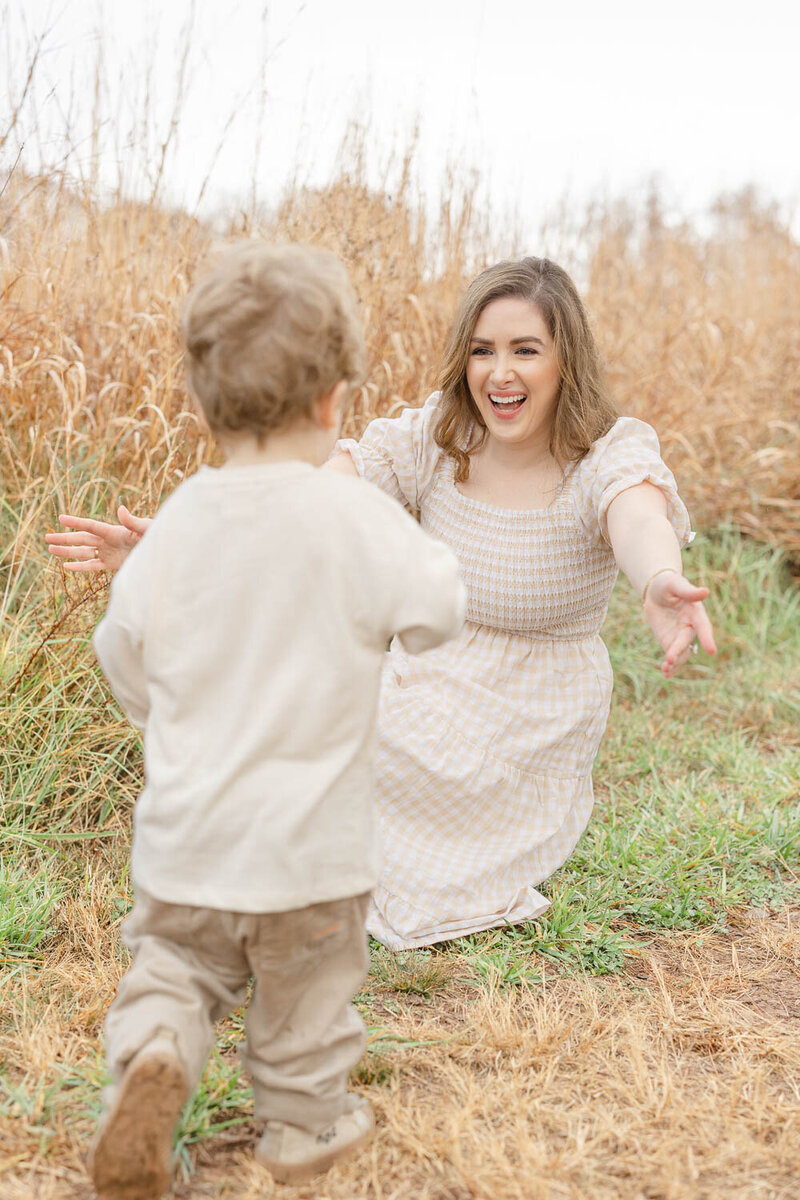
(512,372)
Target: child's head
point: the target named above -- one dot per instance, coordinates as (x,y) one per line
(268,331)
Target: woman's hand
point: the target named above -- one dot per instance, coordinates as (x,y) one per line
(674,611)
(97,546)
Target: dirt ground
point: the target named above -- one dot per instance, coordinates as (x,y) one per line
(677,1079)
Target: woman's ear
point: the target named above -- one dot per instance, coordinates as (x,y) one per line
(328,407)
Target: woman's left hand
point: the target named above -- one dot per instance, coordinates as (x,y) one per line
(675,613)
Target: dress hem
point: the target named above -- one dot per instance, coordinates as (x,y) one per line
(526,906)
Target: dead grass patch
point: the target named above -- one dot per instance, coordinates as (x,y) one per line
(679,1079)
(755,963)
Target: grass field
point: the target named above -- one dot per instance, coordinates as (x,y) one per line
(640,1042)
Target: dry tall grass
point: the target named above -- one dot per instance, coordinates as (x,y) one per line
(700,336)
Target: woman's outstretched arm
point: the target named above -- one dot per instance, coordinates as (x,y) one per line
(101,546)
(96,545)
(647,550)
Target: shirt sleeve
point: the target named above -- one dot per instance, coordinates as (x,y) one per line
(627,455)
(399,454)
(432,600)
(408,583)
(119,638)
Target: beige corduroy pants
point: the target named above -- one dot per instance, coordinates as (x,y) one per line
(191,967)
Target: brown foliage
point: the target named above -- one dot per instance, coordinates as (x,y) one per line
(699,333)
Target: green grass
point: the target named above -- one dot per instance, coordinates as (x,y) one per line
(28,894)
(698,782)
(697,816)
(416,972)
(698,792)
(221,1101)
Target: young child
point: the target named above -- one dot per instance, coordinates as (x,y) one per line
(245,635)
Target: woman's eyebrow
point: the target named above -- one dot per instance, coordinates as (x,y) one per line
(513,342)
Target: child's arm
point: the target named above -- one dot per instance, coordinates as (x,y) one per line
(119,638)
(647,550)
(417,593)
(119,652)
(432,609)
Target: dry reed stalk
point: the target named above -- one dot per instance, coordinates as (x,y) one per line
(702,339)
(700,336)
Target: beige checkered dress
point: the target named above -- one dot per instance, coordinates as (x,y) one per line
(486,744)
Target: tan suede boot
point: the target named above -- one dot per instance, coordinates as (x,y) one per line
(294,1155)
(131,1158)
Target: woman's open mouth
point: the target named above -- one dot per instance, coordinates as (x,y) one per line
(506,406)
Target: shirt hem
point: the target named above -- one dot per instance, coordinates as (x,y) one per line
(195,897)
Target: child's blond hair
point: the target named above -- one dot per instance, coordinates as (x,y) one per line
(267,331)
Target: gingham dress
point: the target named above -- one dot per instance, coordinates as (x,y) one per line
(486,744)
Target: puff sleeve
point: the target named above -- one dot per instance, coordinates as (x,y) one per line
(627,455)
(399,454)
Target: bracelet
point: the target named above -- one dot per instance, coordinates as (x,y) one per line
(660,571)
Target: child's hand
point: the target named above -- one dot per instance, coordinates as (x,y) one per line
(675,613)
(97,546)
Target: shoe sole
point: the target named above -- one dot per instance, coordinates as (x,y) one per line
(132,1155)
(302,1172)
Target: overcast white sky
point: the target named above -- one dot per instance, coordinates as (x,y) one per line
(575,98)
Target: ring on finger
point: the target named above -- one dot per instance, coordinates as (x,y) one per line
(96,552)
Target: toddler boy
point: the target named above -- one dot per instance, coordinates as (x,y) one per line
(245,635)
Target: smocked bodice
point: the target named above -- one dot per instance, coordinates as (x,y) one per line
(532,572)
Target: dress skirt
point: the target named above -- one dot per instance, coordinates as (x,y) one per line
(483,777)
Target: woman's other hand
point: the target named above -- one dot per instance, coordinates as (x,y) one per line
(96,545)
(675,613)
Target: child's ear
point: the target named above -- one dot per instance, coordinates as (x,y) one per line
(197,409)
(328,408)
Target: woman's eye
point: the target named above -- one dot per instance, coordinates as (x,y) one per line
(480,351)
(527,351)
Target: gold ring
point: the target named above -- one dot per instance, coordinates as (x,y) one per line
(96,552)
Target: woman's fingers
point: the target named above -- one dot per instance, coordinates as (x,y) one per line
(135,524)
(86,524)
(95,545)
(71,539)
(704,631)
(697,629)
(689,621)
(92,564)
(678,587)
(79,553)
(679,648)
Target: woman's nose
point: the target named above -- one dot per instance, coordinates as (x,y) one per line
(502,369)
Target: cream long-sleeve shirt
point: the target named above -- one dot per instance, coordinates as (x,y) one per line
(245,635)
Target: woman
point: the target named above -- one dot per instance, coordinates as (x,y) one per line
(521,465)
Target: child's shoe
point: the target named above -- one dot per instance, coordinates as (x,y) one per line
(131,1158)
(294,1155)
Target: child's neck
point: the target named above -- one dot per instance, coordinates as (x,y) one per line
(309,442)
